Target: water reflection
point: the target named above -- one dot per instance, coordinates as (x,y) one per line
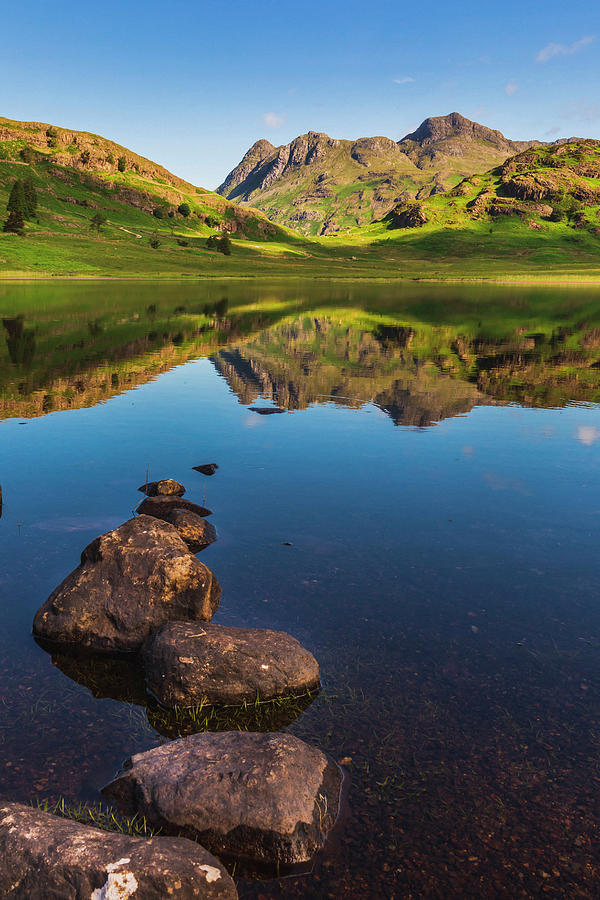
(419,364)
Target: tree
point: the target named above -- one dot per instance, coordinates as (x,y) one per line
(184,209)
(97,221)
(15,222)
(27,154)
(31,200)
(154,242)
(51,136)
(121,164)
(212,242)
(16,200)
(225,245)
(158,212)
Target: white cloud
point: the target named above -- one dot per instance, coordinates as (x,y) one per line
(552,49)
(273,120)
(511,88)
(587,434)
(406,80)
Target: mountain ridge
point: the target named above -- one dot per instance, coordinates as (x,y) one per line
(319,184)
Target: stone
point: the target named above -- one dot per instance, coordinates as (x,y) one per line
(159,506)
(194,530)
(267,410)
(166,487)
(206,468)
(45,856)
(266,798)
(186,664)
(130,582)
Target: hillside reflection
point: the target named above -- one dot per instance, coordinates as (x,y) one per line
(420,358)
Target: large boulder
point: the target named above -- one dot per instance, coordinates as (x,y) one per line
(159,507)
(130,582)
(193,529)
(186,664)
(165,487)
(267,798)
(46,856)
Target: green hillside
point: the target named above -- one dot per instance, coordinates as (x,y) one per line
(534,217)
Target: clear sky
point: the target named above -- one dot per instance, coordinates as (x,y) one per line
(192,85)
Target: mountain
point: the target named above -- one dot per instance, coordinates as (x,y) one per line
(319,185)
(77,175)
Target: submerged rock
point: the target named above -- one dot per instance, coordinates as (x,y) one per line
(193,529)
(46,856)
(262,797)
(160,506)
(206,469)
(130,582)
(186,664)
(166,487)
(267,410)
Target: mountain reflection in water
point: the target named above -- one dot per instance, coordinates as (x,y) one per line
(419,369)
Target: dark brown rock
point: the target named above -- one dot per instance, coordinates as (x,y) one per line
(186,664)
(160,506)
(193,529)
(206,469)
(267,410)
(261,797)
(45,856)
(130,582)
(166,487)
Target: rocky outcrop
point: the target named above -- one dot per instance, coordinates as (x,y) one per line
(45,856)
(411,215)
(187,664)
(130,582)
(438,129)
(166,487)
(263,797)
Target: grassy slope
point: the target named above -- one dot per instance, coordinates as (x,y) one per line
(453,245)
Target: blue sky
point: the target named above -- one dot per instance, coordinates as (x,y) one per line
(193,85)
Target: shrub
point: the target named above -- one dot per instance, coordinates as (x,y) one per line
(27,154)
(154,243)
(121,163)
(212,243)
(85,157)
(225,245)
(184,209)
(183,243)
(97,221)
(51,136)
(159,212)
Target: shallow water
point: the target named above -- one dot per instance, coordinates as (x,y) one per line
(437,475)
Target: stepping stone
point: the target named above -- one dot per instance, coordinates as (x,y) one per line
(166,487)
(206,469)
(45,856)
(187,664)
(193,529)
(159,506)
(130,582)
(265,798)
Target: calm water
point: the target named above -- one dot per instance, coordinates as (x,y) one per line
(437,473)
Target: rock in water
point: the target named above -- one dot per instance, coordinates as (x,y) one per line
(130,582)
(262,797)
(166,487)
(186,663)
(159,506)
(206,469)
(46,856)
(193,529)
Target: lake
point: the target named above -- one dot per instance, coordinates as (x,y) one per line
(424,517)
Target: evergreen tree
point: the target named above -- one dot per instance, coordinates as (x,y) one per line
(16,200)
(97,221)
(31,200)
(15,222)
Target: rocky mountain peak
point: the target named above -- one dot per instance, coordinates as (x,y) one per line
(441,128)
